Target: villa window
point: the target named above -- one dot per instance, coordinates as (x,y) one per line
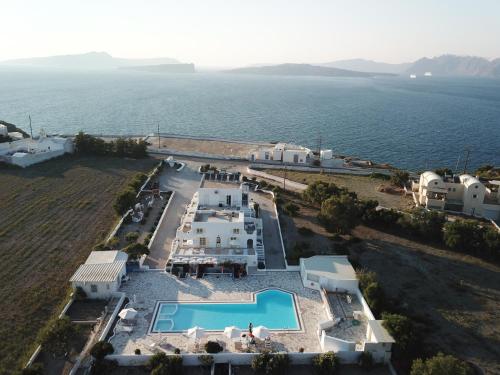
(203,241)
(234,238)
(93,288)
(199,230)
(236,231)
(217,241)
(474,196)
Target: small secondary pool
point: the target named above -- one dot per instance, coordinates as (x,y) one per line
(272,308)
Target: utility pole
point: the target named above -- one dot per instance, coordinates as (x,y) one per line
(466,159)
(159,146)
(284,178)
(31,129)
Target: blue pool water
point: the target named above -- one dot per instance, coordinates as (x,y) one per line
(272,308)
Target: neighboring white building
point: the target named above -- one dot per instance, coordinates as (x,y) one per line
(101,274)
(27,151)
(219,225)
(329,272)
(464,193)
(285,153)
(3,130)
(351,326)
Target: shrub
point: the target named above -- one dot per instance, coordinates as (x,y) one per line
(34,369)
(137,351)
(304,231)
(161,364)
(374,296)
(399,178)
(401,328)
(113,242)
(136,250)
(101,349)
(138,181)
(380,176)
(57,336)
(440,365)
(263,184)
(272,364)
(318,191)
(365,360)
(131,236)
(291,209)
(80,294)
(213,347)
(124,201)
(103,367)
(177,351)
(463,235)
(206,360)
(325,363)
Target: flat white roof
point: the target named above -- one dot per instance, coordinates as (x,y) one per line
(331,266)
(98,273)
(102,257)
(379,332)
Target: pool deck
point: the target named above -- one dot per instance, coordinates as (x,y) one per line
(150,287)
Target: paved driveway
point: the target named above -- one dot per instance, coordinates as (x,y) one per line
(272,241)
(184,184)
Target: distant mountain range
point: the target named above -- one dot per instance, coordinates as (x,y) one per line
(445,65)
(362,65)
(301,70)
(91,60)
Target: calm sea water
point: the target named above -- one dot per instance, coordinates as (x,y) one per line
(412,124)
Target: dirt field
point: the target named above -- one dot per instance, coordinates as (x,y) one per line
(457,295)
(51,216)
(205,146)
(365,187)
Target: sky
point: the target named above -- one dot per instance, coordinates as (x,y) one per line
(225,33)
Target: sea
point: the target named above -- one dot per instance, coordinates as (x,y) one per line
(415,124)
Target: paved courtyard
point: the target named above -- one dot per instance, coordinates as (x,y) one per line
(149,287)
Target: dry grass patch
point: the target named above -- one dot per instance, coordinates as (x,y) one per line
(51,216)
(366,187)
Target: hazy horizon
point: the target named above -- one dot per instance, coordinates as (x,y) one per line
(221,34)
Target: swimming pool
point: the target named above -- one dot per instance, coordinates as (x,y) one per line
(272,308)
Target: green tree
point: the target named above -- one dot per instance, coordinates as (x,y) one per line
(440,365)
(325,363)
(339,213)
(124,201)
(136,250)
(213,347)
(374,296)
(58,335)
(429,224)
(291,209)
(492,242)
(401,328)
(101,349)
(464,235)
(319,191)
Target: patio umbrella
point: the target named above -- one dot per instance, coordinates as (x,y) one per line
(196,332)
(261,332)
(128,314)
(232,332)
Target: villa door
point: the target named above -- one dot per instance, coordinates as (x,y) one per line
(228,200)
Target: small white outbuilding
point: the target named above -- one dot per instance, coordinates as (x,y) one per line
(330,272)
(102,274)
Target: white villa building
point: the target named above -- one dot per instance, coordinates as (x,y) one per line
(101,275)
(464,194)
(285,153)
(220,225)
(27,151)
(351,326)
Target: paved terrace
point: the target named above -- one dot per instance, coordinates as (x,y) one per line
(149,287)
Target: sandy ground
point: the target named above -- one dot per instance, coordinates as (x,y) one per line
(214,147)
(455,295)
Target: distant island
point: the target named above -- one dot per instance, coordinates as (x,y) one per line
(91,60)
(163,68)
(302,70)
(445,65)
